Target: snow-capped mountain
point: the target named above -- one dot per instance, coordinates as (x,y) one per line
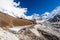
(45,16)
(36,16)
(56,18)
(52,14)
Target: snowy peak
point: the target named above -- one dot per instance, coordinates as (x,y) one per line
(52,14)
(36,16)
(45,16)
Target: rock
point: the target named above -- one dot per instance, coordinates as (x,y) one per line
(26,34)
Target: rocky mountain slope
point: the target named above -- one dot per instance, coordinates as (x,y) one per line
(43,30)
(7,20)
(33,30)
(56,18)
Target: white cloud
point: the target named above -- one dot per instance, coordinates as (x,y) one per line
(10,7)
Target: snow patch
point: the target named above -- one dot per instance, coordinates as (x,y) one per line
(5,35)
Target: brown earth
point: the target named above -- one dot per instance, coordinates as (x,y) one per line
(7,20)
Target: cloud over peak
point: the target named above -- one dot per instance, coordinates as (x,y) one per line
(10,7)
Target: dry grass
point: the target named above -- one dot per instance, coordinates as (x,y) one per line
(7,20)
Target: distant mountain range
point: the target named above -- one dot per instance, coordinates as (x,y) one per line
(52,14)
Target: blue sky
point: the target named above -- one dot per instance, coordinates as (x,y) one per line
(39,6)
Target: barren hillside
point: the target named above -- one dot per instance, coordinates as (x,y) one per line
(7,20)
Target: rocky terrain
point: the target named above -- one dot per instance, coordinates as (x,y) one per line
(22,29)
(42,33)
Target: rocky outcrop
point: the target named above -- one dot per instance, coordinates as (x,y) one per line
(56,18)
